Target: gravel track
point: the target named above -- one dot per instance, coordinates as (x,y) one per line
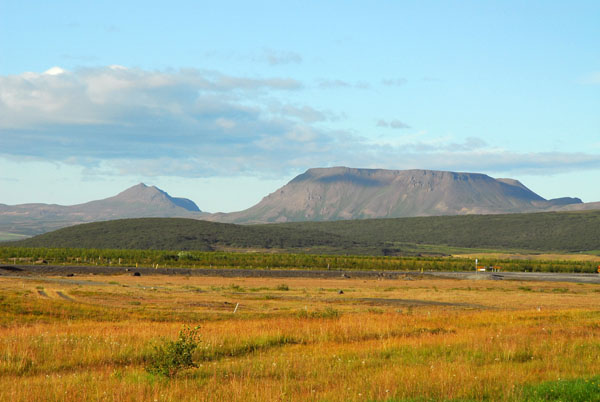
(64,270)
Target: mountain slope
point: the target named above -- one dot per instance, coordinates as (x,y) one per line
(137,201)
(346,193)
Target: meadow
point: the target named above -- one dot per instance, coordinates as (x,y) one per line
(270,339)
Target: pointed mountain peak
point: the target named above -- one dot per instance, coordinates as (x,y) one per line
(154,195)
(138,191)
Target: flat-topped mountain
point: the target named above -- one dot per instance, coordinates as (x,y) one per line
(138,201)
(345,193)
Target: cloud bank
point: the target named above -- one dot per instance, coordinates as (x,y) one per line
(186,122)
(195,123)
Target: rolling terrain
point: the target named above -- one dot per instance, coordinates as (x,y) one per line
(182,234)
(541,232)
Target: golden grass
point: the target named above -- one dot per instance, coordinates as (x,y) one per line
(89,338)
(534,257)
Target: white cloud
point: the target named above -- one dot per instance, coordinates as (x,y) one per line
(191,123)
(54,71)
(473,155)
(186,122)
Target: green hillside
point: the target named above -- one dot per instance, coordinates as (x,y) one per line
(547,231)
(553,231)
(181,234)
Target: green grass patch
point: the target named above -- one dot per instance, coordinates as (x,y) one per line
(572,390)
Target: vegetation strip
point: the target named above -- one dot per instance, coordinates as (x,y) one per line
(13,257)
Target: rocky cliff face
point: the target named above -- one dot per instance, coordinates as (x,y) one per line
(347,193)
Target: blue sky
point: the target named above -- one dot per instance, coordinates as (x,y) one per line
(224,102)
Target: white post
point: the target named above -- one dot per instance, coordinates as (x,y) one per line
(476,265)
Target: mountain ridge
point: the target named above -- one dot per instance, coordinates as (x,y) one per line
(135,202)
(342,193)
(319,194)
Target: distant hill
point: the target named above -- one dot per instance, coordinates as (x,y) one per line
(588,206)
(181,234)
(137,201)
(549,231)
(342,193)
(141,200)
(542,231)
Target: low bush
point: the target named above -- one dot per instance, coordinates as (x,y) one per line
(172,356)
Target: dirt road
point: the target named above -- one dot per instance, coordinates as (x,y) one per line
(522,276)
(63,270)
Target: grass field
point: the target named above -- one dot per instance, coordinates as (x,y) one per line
(92,338)
(529,257)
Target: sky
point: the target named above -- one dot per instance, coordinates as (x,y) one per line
(224,102)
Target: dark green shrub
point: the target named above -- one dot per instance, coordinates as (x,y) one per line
(172,356)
